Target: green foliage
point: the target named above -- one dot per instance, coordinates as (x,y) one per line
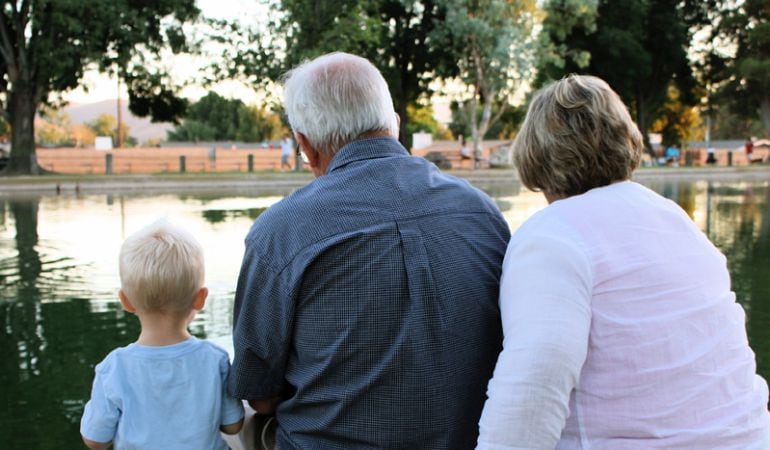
(107,125)
(54,129)
(638,46)
(216,118)
(746,78)
(46,45)
(396,35)
(554,51)
(494,47)
(677,122)
(421,120)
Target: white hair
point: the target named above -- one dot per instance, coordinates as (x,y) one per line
(336,98)
(161,268)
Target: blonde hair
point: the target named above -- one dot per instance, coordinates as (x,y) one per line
(577,135)
(161,268)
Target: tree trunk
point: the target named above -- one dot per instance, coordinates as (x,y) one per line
(22,107)
(403,135)
(641,122)
(764,110)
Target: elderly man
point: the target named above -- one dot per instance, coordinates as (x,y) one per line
(366,308)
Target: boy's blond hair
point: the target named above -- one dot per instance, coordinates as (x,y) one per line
(161,268)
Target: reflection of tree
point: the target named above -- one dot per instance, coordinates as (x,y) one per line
(221,215)
(740,229)
(25,216)
(686,198)
(49,347)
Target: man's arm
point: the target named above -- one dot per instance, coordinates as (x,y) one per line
(262,329)
(265,407)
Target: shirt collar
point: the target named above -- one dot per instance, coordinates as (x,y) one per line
(367,148)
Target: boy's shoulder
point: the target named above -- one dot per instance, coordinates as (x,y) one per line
(130,354)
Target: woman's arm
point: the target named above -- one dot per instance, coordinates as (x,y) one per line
(545,297)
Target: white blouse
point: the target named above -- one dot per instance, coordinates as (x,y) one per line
(621,332)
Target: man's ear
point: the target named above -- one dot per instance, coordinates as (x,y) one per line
(306,148)
(200,299)
(398,125)
(126,302)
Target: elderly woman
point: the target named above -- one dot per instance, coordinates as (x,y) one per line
(621,331)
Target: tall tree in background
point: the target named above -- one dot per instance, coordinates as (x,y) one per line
(494,51)
(638,46)
(396,35)
(45,46)
(747,86)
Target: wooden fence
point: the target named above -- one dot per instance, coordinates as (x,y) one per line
(159,160)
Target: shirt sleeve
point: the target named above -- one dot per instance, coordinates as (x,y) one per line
(100,417)
(262,328)
(232,408)
(545,297)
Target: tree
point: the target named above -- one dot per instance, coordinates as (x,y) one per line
(747,86)
(494,44)
(421,120)
(639,47)
(396,35)
(53,128)
(216,118)
(45,46)
(677,122)
(107,125)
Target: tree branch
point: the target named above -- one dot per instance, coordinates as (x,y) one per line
(6,49)
(21,19)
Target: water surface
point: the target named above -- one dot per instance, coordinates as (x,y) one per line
(58,282)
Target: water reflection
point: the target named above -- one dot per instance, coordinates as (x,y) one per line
(58,279)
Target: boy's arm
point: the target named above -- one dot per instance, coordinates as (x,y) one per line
(231,428)
(93,445)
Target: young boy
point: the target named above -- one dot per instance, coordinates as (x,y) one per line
(166,390)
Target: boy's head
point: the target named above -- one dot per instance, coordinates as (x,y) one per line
(161,269)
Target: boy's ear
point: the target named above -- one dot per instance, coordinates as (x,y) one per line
(200,299)
(126,302)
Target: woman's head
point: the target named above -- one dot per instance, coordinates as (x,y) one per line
(577,135)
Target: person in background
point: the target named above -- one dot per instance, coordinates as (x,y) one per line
(621,330)
(366,307)
(749,149)
(287,149)
(465,151)
(166,390)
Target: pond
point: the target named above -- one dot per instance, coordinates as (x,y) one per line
(58,281)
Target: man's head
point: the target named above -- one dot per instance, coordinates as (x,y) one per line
(336,98)
(161,270)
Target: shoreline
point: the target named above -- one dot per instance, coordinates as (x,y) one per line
(286,181)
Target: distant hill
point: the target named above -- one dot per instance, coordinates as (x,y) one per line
(140,128)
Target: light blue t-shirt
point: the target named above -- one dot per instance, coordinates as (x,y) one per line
(169,397)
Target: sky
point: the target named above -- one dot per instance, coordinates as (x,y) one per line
(97,87)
